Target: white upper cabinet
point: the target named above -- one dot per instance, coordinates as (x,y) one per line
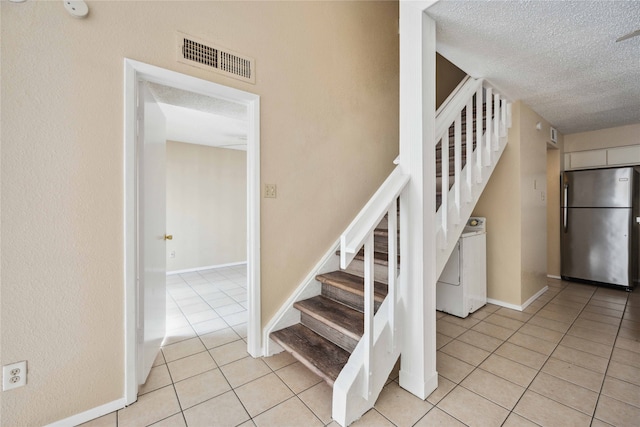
(618,156)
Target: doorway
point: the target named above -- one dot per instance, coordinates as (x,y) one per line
(137,73)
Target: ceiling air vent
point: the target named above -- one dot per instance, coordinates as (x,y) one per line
(202,54)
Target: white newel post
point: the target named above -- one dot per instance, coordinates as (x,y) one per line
(417,157)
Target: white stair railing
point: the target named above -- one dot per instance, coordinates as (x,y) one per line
(361,380)
(363,377)
(483,149)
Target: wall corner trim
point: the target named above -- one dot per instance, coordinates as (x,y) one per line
(91,414)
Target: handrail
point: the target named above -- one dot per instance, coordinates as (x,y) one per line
(452,94)
(370,216)
(449,113)
(361,233)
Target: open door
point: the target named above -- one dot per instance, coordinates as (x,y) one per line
(151,221)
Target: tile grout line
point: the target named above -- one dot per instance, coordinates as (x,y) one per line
(609,362)
(538,370)
(549,357)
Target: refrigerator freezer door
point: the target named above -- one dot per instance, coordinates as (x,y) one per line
(602,188)
(596,245)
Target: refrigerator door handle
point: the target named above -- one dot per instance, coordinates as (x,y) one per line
(565,209)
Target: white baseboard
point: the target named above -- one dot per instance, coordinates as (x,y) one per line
(91,414)
(518,307)
(209,267)
(551,276)
(504,304)
(537,295)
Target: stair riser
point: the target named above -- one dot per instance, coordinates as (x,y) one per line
(347,298)
(380,272)
(326,331)
(381,244)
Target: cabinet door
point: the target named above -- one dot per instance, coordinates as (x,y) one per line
(623,155)
(588,159)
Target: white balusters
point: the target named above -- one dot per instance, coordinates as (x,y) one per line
(469,139)
(368,314)
(457,165)
(503,119)
(392,250)
(479,132)
(444,184)
(496,122)
(489,131)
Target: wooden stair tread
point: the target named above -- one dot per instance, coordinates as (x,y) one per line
(340,317)
(380,258)
(353,284)
(320,355)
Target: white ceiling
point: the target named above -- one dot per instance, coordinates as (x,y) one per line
(199,119)
(558,57)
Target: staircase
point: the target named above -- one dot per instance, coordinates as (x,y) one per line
(333,322)
(348,329)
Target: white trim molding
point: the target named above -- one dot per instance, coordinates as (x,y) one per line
(526,304)
(89,415)
(134,72)
(551,276)
(208,267)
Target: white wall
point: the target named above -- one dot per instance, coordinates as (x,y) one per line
(603,138)
(206,206)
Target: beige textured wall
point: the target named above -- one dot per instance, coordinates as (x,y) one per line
(500,204)
(206,205)
(327,74)
(603,138)
(533,182)
(448,76)
(517,213)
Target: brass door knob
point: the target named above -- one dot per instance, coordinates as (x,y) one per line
(168,237)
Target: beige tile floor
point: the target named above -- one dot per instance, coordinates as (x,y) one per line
(572,358)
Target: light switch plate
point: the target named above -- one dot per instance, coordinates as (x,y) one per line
(270,191)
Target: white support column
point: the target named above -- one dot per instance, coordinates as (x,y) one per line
(417,157)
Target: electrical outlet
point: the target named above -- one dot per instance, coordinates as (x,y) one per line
(270,191)
(14,375)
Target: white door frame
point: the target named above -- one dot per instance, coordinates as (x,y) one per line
(134,72)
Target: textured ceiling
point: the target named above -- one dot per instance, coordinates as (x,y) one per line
(201,119)
(558,57)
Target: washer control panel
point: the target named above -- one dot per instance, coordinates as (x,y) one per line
(477,224)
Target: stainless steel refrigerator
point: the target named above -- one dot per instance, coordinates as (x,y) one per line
(600,233)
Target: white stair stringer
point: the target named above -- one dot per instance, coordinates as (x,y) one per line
(350,397)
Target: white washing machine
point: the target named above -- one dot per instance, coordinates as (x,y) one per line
(462,287)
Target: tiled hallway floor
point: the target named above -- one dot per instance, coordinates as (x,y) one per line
(571,358)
